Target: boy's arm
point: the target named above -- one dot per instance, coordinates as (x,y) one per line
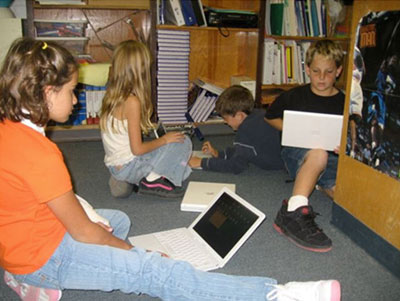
(232,160)
(276,123)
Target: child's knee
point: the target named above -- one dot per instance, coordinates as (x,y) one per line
(318,157)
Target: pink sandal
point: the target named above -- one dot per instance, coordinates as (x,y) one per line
(31,293)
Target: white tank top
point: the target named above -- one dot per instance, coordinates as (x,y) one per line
(116,142)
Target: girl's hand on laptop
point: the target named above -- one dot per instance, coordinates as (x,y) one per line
(172,137)
(209,149)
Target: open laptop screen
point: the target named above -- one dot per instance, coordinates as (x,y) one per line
(225,223)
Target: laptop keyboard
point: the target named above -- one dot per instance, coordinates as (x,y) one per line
(181,246)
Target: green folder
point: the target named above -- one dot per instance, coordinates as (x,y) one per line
(276,19)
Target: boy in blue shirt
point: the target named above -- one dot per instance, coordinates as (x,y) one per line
(255,142)
(309,167)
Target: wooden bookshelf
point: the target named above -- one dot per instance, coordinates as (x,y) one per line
(217,54)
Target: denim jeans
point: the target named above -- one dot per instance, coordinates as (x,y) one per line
(76,265)
(169,160)
(293,158)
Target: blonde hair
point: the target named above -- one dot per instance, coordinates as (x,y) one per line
(129,74)
(326,48)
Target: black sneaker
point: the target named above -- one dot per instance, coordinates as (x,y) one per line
(300,228)
(161,187)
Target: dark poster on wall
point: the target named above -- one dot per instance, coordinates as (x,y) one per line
(374,121)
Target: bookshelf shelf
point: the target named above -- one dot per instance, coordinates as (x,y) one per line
(207,28)
(282,86)
(100,4)
(305,38)
(75,127)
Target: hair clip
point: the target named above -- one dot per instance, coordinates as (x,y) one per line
(44,45)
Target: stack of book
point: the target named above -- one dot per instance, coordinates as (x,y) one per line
(295,18)
(172,75)
(181,12)
(204,103)
(61,2)
(284,62)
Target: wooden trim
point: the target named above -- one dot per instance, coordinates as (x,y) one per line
(260,53)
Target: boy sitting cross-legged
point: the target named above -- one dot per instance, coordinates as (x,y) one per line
(255,142)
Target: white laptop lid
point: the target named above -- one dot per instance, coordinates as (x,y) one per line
(226,224)
(222,227)
(311,130)
(199,194)
(200,154)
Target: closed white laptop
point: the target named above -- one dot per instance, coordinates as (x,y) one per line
(214,236)
(199,194)
(311,130)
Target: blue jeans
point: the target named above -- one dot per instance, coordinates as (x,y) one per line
(294,158)
(169,160)
(76,265)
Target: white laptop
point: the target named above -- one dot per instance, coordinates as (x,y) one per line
(200,154)
(161,129)
(214,236)
(199,194)
(311,130)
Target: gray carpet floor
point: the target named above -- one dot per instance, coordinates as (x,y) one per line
(266,253)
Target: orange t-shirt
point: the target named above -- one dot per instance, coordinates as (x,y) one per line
(32,173)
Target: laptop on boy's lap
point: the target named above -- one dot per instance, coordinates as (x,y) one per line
(311,130)
(213,237)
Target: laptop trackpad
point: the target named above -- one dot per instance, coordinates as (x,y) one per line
(148,242)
